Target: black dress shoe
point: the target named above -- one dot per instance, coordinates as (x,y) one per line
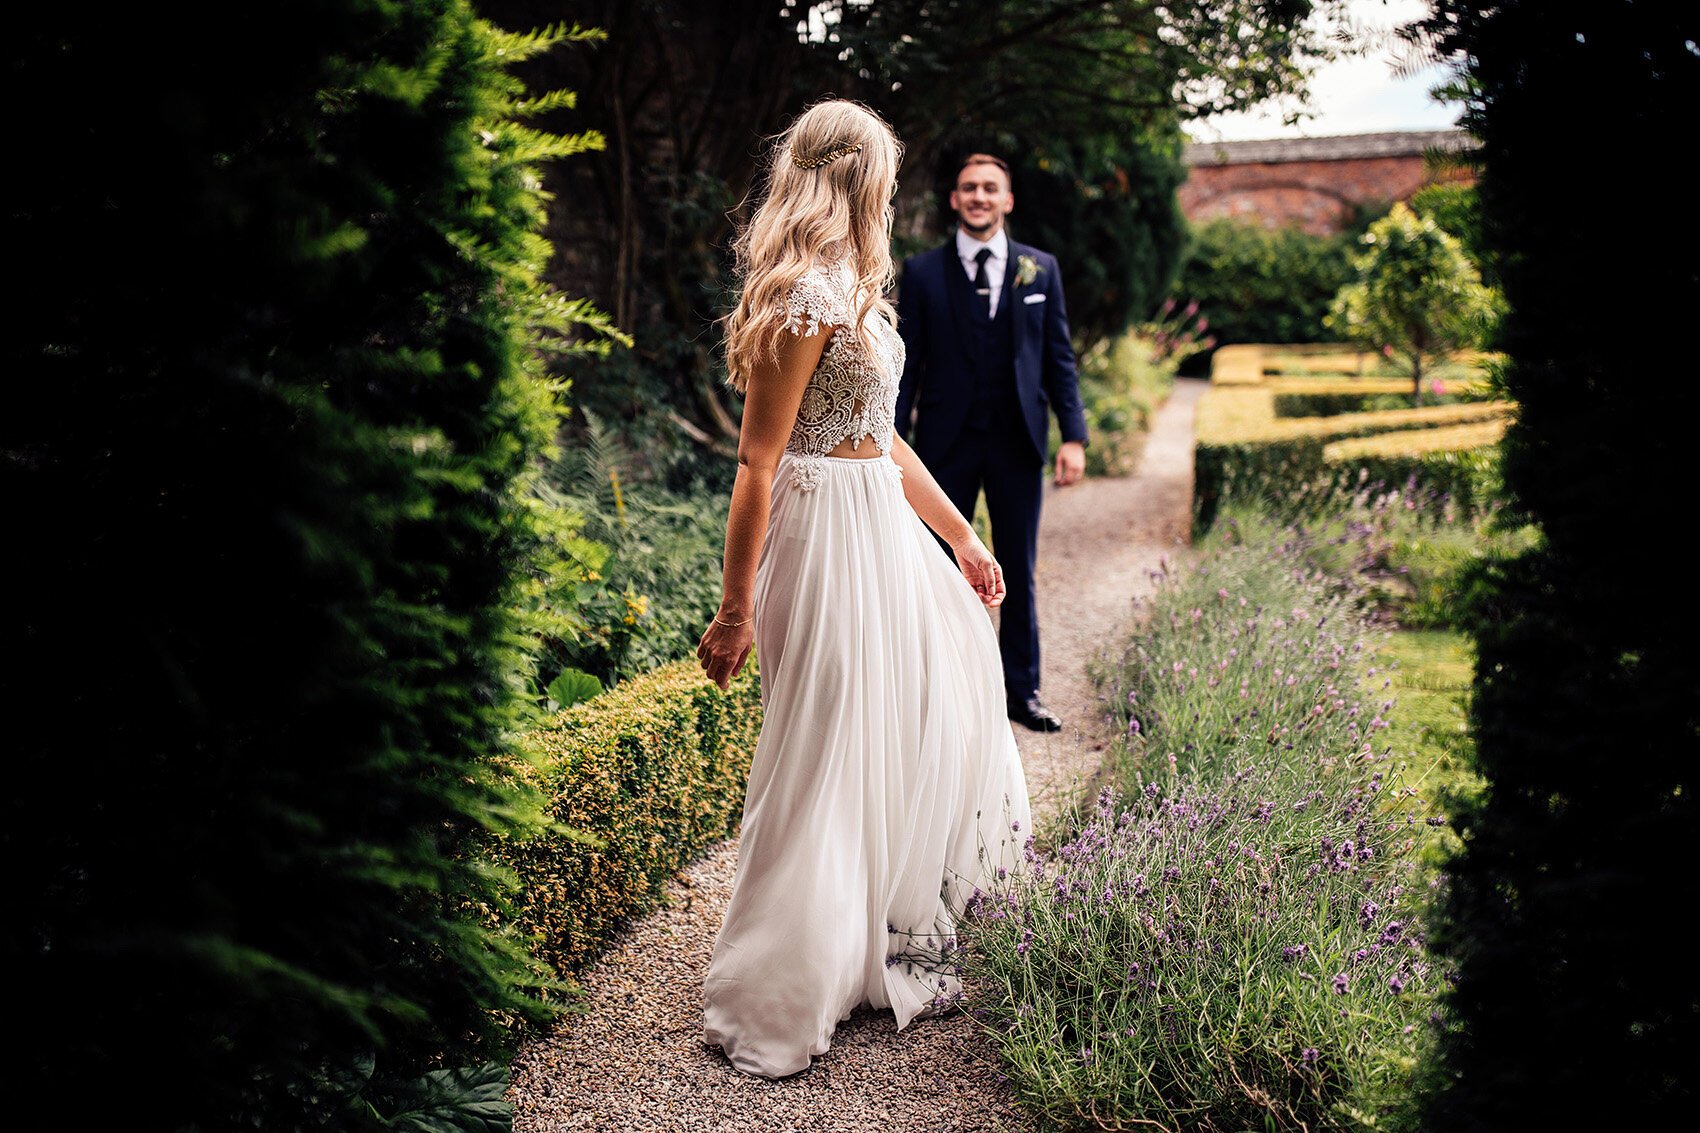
(1029,713)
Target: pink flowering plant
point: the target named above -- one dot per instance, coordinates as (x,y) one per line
(1176,334)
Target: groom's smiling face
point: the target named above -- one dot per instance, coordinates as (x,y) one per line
(981,199)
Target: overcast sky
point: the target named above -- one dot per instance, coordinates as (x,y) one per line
(1352,96)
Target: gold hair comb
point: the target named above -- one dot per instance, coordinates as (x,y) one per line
(829,155)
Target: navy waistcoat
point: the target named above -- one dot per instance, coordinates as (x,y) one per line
(994,390)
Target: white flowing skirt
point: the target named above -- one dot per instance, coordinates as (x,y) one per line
(886,784)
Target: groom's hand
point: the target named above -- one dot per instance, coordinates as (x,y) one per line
(1071,463)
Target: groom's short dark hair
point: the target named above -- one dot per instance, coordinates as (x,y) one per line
(983,159)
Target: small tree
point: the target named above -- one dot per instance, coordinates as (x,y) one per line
(1417,297)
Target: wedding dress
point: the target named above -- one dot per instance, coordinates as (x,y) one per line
(886,785)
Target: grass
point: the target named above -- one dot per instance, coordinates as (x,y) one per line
(1431,671)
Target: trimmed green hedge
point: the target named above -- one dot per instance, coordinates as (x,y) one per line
(1243,446)
(1368,401)
(653,772)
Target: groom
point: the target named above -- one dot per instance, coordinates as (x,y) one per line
(983,322)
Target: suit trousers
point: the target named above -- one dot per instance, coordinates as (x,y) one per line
(997,454)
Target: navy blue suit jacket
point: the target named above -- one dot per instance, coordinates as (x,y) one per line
(940,373)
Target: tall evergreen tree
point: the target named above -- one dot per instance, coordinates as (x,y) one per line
(273,408)
(1574,1005)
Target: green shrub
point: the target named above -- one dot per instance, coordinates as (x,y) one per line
(1333,404)
(643,778)
(1454,206)
(1261,285)
(1407,548)
(644,578)
(1121,387)
(1244,449)
(275,411)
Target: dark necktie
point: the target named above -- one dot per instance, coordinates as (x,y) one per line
(983,282)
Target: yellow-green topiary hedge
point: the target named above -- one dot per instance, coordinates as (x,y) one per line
(654,770)
(1243,444)
(1450,438)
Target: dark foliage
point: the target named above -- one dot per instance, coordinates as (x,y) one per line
(1454,207)
(1575,1005)
(271,411)
(1268,285)
(1109,215)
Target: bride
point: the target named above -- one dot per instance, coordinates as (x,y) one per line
(886,785)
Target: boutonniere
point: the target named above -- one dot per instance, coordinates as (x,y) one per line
(1027,269)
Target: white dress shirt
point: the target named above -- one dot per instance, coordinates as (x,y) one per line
(967,248)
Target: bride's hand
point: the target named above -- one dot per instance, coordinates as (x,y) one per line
(724,648)
(981,570)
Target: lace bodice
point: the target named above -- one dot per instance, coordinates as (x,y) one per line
(852,395)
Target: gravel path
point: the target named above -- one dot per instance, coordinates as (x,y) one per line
(1098,542)
(635,1060)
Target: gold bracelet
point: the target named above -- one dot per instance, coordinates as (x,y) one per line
(732,625)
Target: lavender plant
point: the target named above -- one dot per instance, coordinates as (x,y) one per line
(1220,955)
(1253,644)
(1231,940)
(1403,549)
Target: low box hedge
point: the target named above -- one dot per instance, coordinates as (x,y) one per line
(1457,460)
(1372,396)
(1420,444)
(654,770)
(1242,445)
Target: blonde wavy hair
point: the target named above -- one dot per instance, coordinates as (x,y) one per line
(830,181)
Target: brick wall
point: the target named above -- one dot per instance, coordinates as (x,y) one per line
(1314,195)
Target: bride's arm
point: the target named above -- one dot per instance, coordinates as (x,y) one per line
(774,392)
(937,512)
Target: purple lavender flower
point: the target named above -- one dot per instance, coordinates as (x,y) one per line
(1309,1055)
(1341,984)
(1396,984)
